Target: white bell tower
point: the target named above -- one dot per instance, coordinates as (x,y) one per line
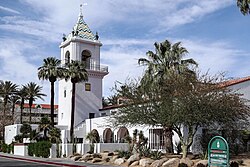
(81,44)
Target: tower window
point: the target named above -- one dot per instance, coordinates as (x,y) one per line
(87,87)
(67,58)
(86,58)
(64,93)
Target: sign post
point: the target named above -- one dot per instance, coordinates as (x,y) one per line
(218,152)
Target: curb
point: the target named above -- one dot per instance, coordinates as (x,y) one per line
(42,162)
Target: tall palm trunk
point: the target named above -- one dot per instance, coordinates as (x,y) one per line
(52,103)
(168,134)
(72,112)
(21,114)
(30,115)
(4,119)
(30,105)
(13,112)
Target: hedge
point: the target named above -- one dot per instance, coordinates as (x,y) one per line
(39,149)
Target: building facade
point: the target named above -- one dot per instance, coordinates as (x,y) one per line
(37,112)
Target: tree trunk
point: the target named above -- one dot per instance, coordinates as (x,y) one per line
(21,114)
(72,112)
(167,132)
(30,113)
(184,150)
(3,120)
(13,112)
(52,93)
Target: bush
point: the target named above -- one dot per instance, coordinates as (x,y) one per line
(183,165)
(5,148)
(39,149)
(234,164)
(156,155)
(201,165)
(31,149)
(125,154)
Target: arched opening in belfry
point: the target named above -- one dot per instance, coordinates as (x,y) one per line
(122,134)
(86,55)
(67,58)
(107,136)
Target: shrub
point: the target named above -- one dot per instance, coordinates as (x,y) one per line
(145,151)
(183,165)
(201,165)
(19,138)
(25,129)
(40,149)
(234,164)
(156,155)
(240,161)
(125,154)
(31,149)
(5,148)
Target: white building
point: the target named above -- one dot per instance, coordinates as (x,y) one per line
(81,44)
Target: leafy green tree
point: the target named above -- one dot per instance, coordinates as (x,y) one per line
(244,6)
(186,102)
(45,126)
(76,72)
(33,91)
(55,135)
(166,61)
(25,130)
(7,88)
(51,70)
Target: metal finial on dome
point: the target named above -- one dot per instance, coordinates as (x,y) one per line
(81,9)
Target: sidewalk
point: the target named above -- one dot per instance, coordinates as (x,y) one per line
(51,161)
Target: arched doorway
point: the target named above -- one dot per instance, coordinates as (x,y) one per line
(122,134)
(93,137)
(107,136)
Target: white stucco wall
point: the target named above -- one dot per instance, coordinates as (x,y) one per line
(86,101)
(12,130)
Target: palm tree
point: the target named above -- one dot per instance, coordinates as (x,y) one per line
(33,91)
(45,126)
(23,96)
(76,72)
(244,6)
(14,99)
(7,88)
(51,70)
(167,60)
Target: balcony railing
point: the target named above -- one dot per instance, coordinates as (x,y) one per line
(95,67)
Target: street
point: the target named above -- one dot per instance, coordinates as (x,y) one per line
(5,162)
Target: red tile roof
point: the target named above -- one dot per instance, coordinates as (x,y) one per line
(234,81)
(44,106)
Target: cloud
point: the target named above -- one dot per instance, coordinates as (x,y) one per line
(215,56)
(56,18)
(192,11)
(16,64)
(9,10)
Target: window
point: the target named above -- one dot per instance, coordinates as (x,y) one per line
(86,58)
(67,58)
(87,87)
(64,93)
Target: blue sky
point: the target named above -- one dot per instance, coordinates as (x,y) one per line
(215,33)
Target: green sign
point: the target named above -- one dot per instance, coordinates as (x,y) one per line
(218,152)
